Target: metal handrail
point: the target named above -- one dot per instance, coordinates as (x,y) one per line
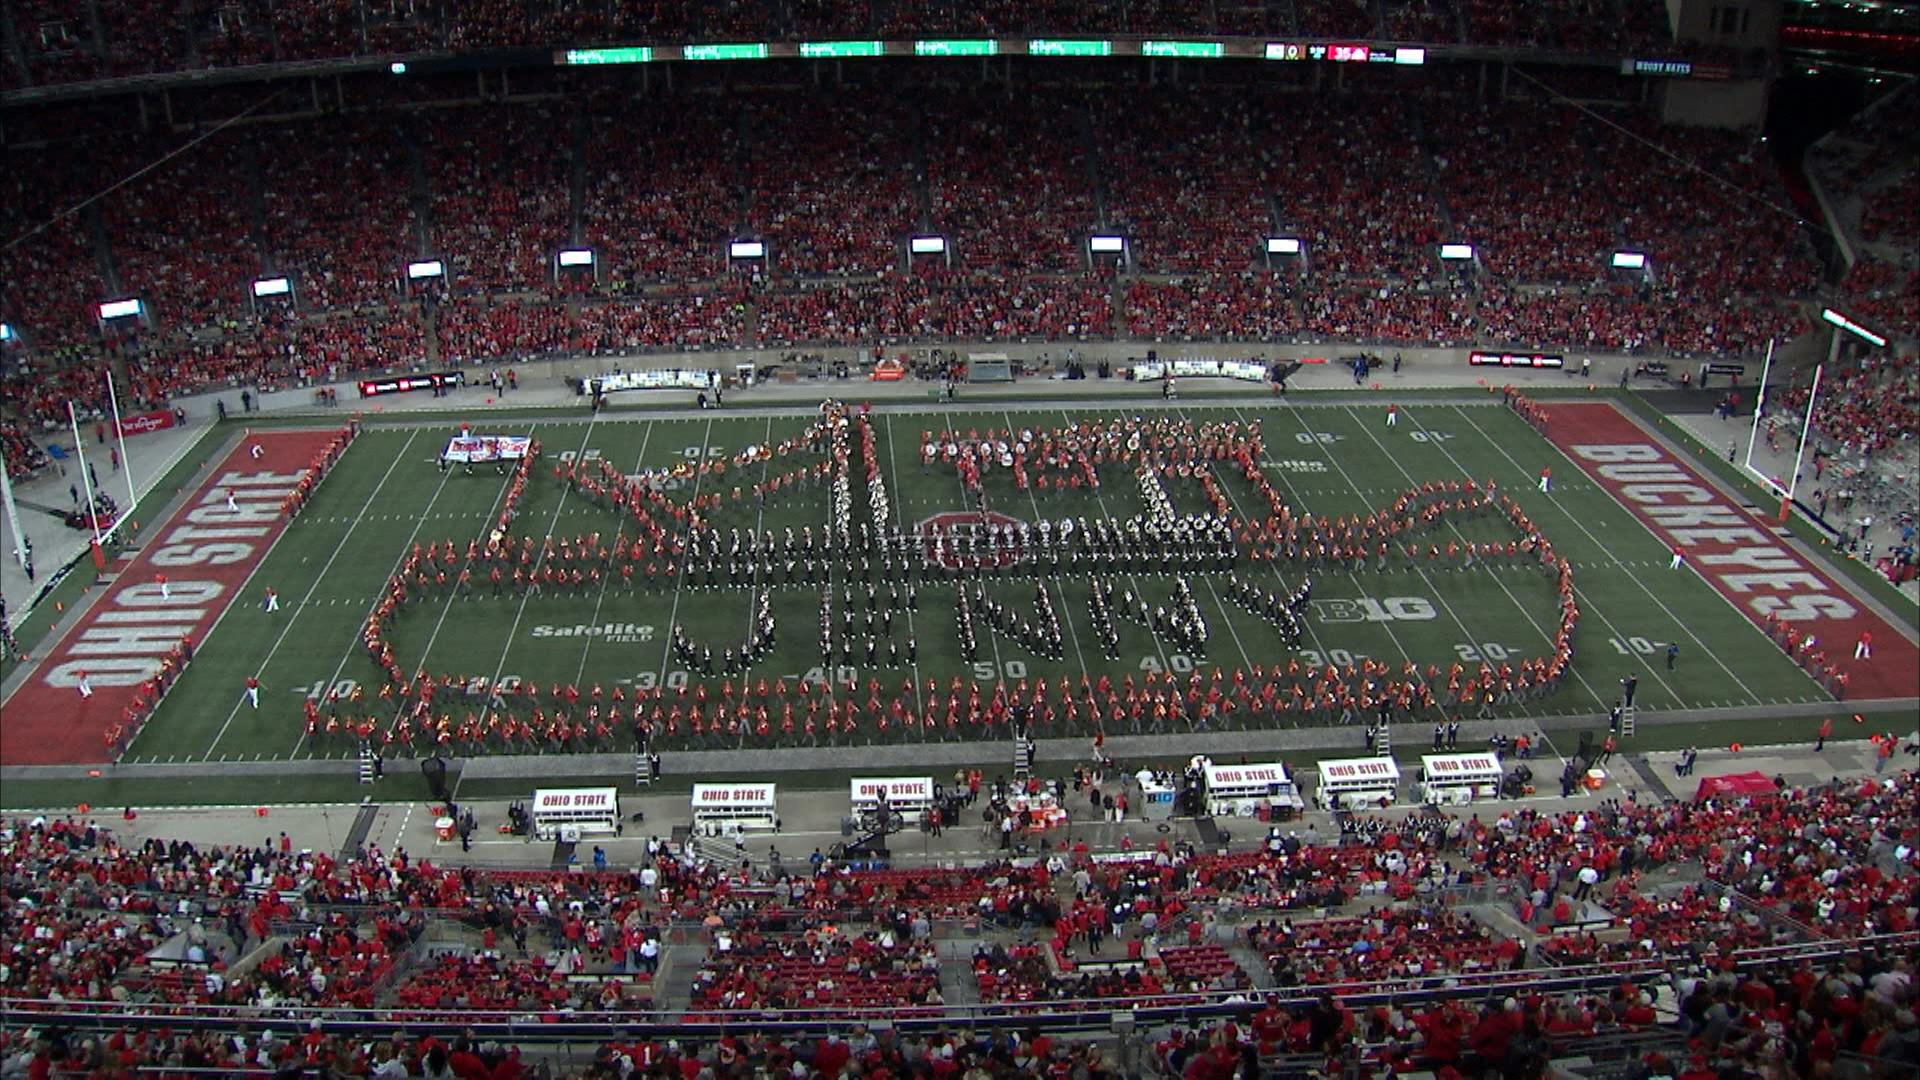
(547,1026)
(522,1023)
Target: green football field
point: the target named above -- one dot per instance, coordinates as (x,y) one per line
(387,496)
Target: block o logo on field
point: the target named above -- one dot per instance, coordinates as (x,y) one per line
(940,532)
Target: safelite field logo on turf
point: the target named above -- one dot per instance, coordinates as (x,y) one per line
(618,633)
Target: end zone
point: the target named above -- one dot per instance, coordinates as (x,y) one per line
(1734,549)
(188,572)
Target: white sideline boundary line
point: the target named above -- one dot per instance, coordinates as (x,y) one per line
(686,539)
(405,547)
(1405,656)
(1700,642)
(239,592)
(514,628)
(1066,609)
(600,598)
(294,615)
(1546,636)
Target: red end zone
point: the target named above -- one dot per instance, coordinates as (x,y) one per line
(1735,550)
(206,551)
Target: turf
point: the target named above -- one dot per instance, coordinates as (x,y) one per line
(1895,601)
(386,496)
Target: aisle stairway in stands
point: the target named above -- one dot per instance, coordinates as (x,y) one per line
(957,984)
(418,194)
(577,179)
(679,964)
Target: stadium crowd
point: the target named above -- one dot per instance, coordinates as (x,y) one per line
(77,40)
(89,920)
(336,204)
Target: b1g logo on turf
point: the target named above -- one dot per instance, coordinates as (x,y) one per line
(964,539)
(1368,609)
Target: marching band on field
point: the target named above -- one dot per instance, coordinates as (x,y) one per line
(867,571)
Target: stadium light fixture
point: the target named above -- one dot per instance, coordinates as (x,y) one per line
(1106,245)
(398,67)
(426,268)
(1456,252)
(747,249)
(1629,260)
(121,309)
(1283,245)
(927,245)
(6,331)
(1853,328)
(272,286)
(570,257)
(1410,57)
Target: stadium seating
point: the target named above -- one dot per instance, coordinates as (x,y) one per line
(1806,855)
(23,456)
(839,201)
(835,184)
(1180,188)
(336,208)
(819,970)
(1804,869)
(999,188)
(656,209)
(1381,947)
(499,185)
(72,40)
(1252,306)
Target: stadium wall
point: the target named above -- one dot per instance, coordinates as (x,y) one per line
(1606,366)
(1739,103)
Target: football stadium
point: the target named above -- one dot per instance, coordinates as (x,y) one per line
(1159,538)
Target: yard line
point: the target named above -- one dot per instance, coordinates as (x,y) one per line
(759,520)
(294,615)
(1166,665)
(1405,657)
(960,583)
(893,470)
(1455,529)
(1272,567)
(1712,654)
(599,598)
(520,611)
(1593,607)
(686,540)
(1065,608)
(405,547)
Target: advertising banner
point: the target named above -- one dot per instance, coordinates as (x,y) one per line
(141,423)
(487,447)
(400,384)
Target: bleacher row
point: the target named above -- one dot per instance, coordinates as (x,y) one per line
(88,919)
(835,183)
(58,41)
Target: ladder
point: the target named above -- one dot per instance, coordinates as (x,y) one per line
(1626,721)
(1023,748)
(1383,740)
(643,774)
(367,766)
